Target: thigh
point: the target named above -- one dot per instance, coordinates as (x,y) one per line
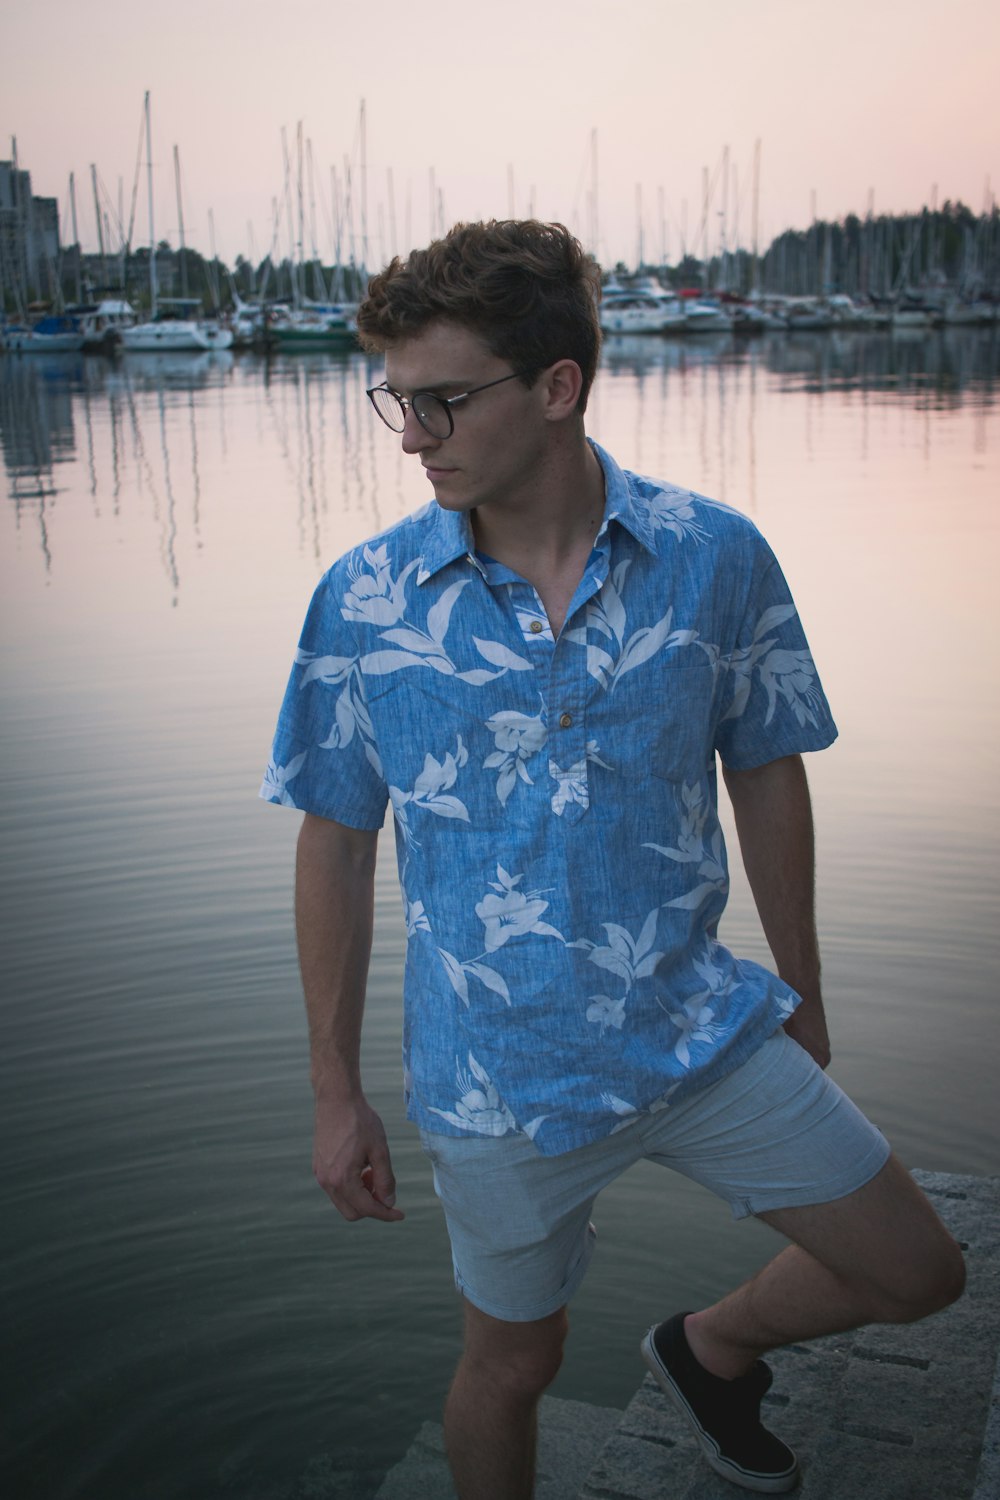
(775,1133)
(518,1221)
(885,1235)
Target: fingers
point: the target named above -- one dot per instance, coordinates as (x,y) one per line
(358,1201)
(380,1180)
(351,1162)
(361,1194)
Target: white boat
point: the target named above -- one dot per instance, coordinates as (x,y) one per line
(706,316)
(847,313)
(55,334)
(807,314)
(642,313)
(912,315)
(102,323)
(176,328)
(752,317)
(173,325)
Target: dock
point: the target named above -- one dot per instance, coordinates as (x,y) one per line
(890,1412)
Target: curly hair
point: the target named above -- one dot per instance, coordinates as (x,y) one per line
(529,290)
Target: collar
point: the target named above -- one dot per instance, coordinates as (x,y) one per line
(451,535)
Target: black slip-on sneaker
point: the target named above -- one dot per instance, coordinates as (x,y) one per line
(724,1414)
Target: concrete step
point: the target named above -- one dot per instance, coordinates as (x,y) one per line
(890,1413)
(571,1434)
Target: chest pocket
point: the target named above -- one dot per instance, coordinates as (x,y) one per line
(669,717)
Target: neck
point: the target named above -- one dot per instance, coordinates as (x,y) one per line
(556,518)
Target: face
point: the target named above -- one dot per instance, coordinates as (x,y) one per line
(494,456)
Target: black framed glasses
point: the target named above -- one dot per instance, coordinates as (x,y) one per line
(432,412)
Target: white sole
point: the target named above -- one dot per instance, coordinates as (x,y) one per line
(762,1484)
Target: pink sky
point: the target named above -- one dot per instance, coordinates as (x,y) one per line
(863,95)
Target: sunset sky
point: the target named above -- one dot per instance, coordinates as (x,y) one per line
(499,101)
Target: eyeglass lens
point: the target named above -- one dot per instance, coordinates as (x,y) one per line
(430,411)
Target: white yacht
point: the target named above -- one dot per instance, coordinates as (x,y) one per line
(175,327)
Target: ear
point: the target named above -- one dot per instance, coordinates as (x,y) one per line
(561,384)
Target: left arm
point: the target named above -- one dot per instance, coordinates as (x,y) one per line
(775,829)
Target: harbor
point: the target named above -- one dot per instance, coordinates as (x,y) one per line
(937,267)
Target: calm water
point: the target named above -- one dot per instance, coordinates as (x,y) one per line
(188,1316)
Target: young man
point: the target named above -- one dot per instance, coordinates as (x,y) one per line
(539,670)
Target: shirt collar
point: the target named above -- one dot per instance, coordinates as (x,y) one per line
(619,503)
(452,537)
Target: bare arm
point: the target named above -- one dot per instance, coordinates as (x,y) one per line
(334,898)
(775,828)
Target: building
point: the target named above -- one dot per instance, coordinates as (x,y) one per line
(29,239)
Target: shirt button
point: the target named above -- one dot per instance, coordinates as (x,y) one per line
(536,627)
(565,720)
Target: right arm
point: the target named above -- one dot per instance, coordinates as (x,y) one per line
(334,899)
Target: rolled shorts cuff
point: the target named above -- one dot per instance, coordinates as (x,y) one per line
(531,1313)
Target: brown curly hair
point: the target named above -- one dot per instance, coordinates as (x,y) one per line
(528,289)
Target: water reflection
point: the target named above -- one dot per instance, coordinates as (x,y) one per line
(188,1316)
(312,410)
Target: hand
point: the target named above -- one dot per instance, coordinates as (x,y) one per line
(351,1161)
(807,1026)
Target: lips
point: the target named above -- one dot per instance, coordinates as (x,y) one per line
(434,474)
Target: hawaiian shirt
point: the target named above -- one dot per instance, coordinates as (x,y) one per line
(562,866)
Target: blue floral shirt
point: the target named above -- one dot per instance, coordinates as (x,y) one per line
(562,866)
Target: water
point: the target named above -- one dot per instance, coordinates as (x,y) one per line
(187,1315)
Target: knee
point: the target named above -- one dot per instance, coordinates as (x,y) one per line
(932,1285)
(522,1363)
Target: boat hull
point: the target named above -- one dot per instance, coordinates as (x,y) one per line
(174,338)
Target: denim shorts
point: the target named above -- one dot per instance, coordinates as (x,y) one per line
(775,1133)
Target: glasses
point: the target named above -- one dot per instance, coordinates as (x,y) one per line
(432,412)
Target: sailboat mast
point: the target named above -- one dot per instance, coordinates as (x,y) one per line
(180,222)
(152,234)
(364,188)
(100,225)
(76,235)
(756,210)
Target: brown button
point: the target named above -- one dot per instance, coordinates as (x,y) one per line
(536,627)
(565,720)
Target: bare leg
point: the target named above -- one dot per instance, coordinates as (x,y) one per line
(491,1415)
(880,1255)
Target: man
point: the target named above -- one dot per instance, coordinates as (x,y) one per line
(539,670)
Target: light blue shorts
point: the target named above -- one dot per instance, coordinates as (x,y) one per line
(776,1133)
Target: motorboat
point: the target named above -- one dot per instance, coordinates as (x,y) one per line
(176,327)
(643,313)
(102,323)
(705,315)
(807,315)
(55,333)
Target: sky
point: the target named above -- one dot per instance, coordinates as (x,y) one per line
(476,110)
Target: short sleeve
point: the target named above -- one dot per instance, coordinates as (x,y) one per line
(772,701)
(324,759)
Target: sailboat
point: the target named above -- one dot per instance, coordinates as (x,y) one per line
(173,325)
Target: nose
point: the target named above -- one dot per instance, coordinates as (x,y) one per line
(416,439)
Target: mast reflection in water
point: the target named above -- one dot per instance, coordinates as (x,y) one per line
(187,1314)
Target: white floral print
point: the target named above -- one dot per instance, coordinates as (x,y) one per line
(479,1107)
(511,913)
(572,784)
(517,737)
(276,780)
(547,937)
